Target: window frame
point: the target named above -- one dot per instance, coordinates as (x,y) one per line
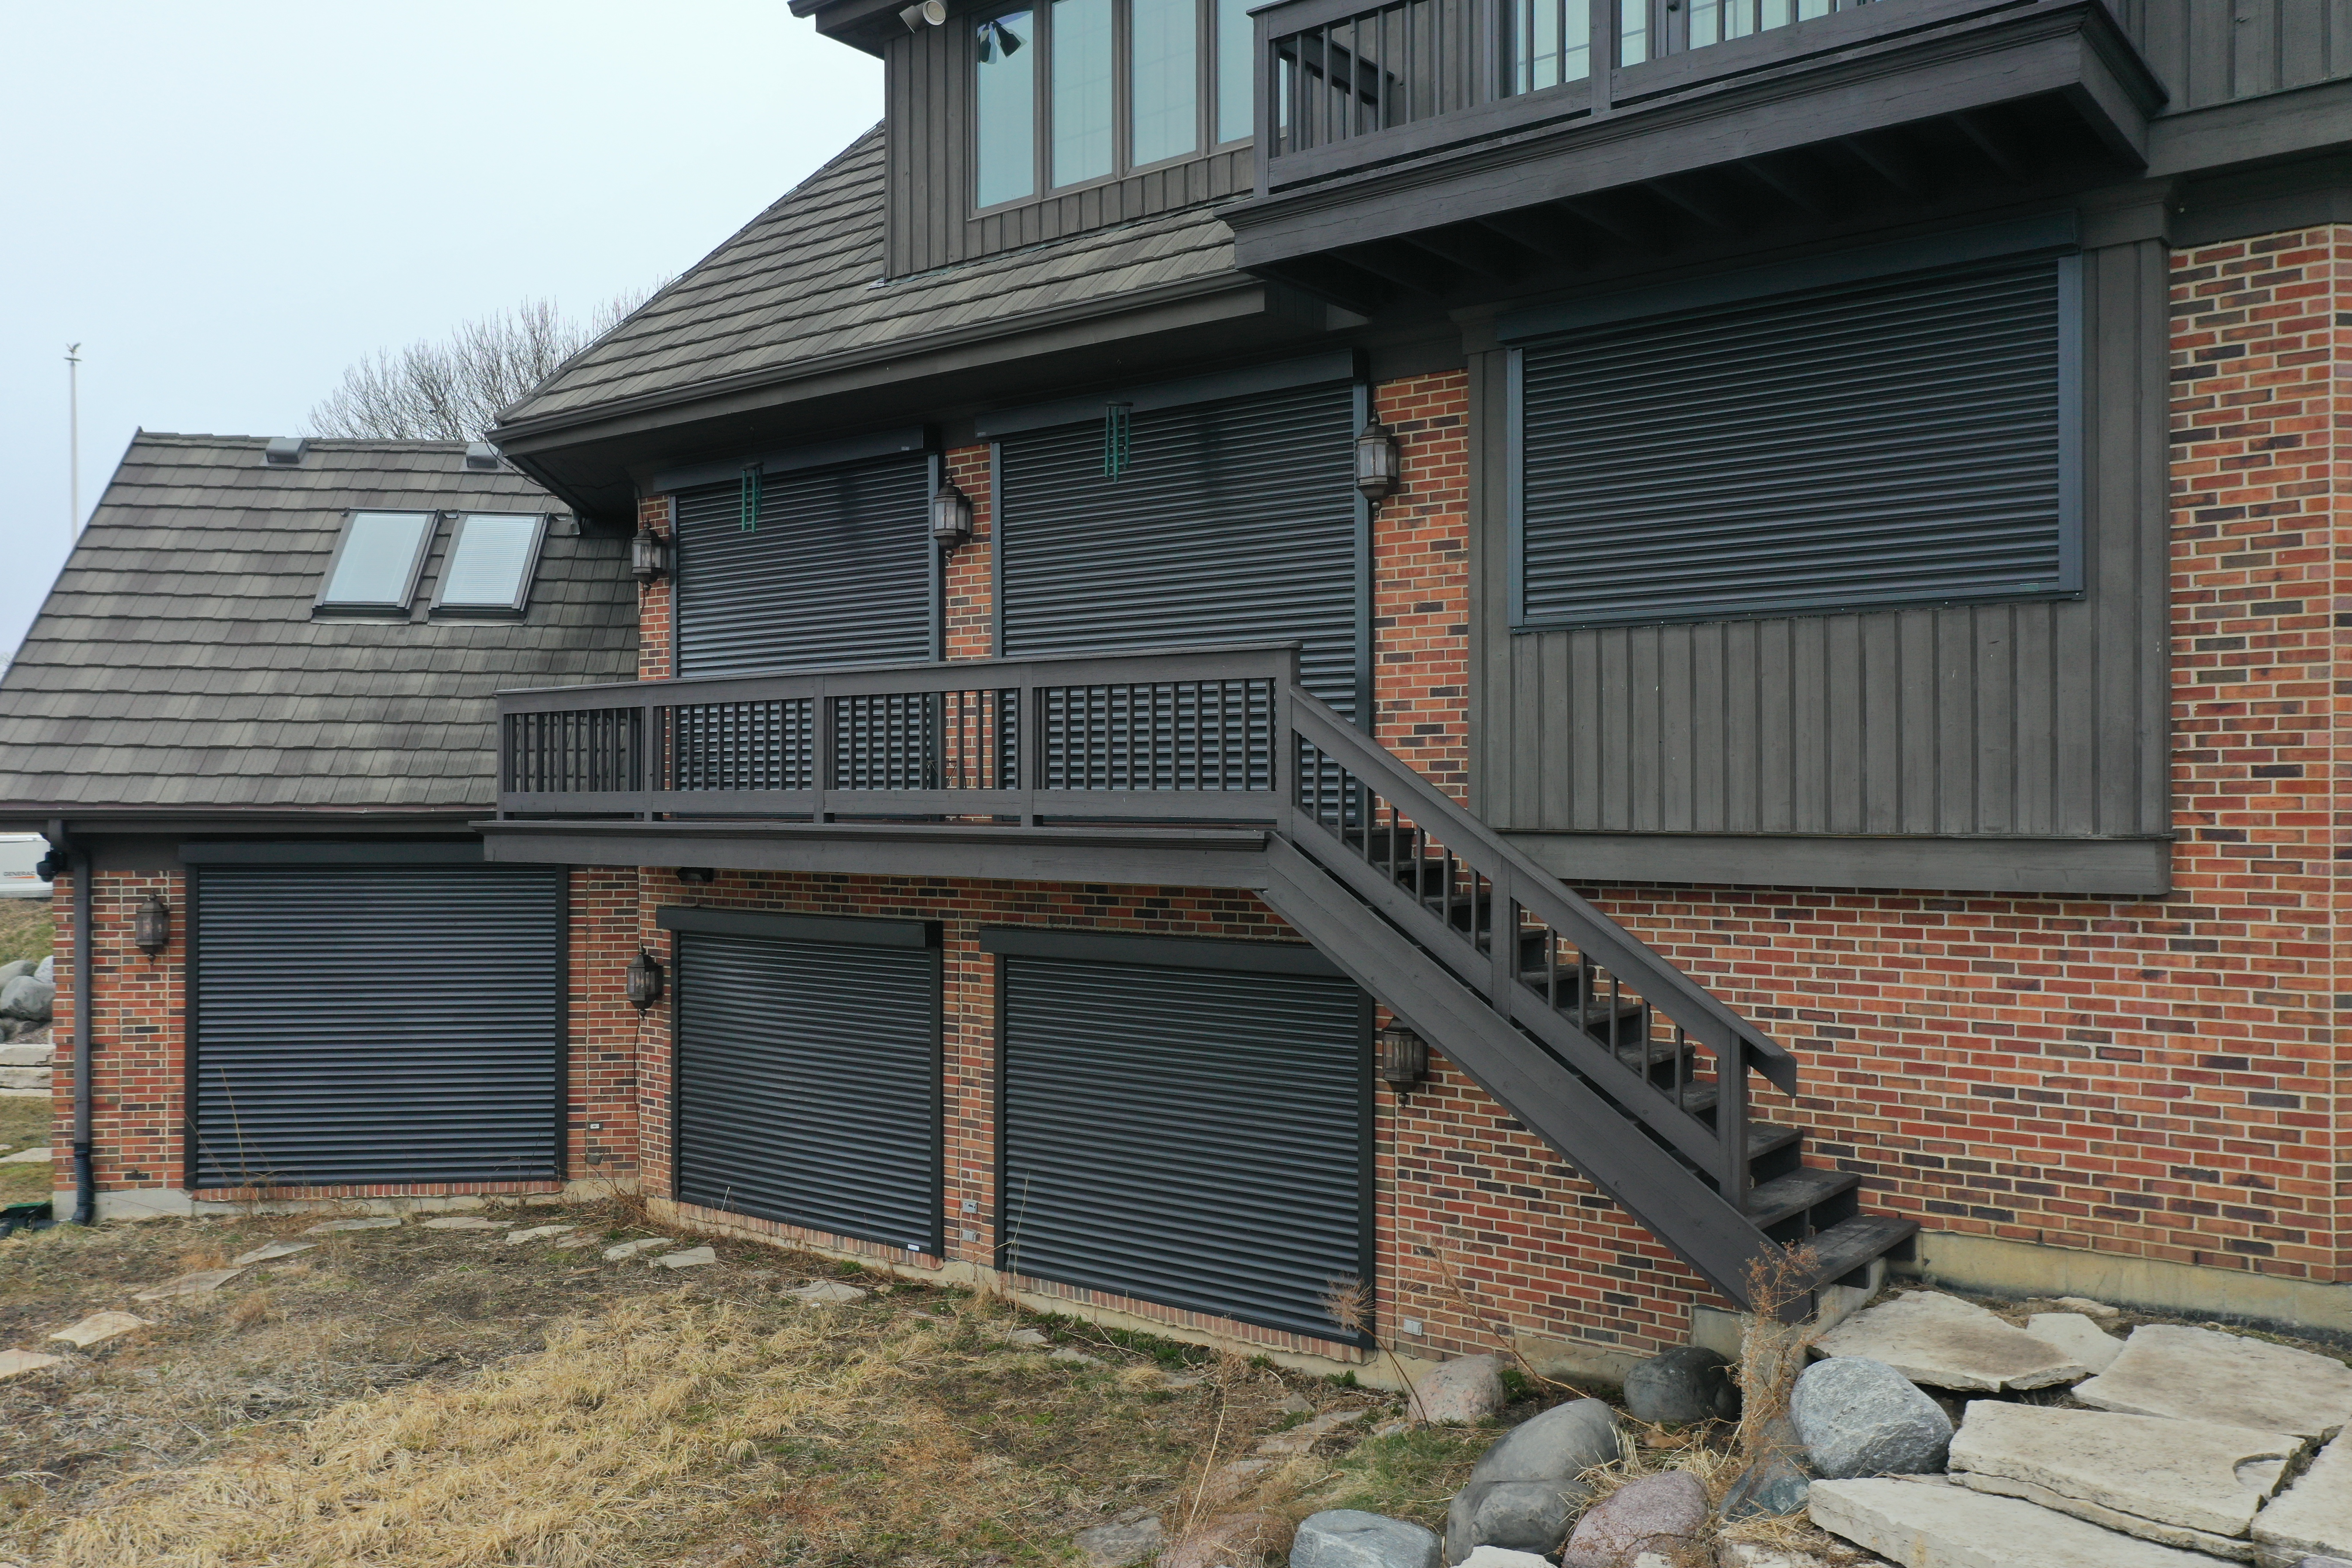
(521,604)
(320,604)
(1041,186)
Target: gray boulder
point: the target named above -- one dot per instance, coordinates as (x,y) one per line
(1688,1383)
(28,998)
(1775,1486)
(1525,1492)
(48,969)
(1133,1536)
(16,966)
(1350,1538)
(1662,1514)
(1861,1417)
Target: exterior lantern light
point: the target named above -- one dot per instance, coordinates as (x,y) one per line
(151,928)
(696,876)
(645,980)
(950,514)
(648,555)
(1376,460)
(1404,1059)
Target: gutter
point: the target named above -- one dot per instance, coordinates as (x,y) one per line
(82,865)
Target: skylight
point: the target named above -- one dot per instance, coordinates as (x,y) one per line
(376,563)
(491,562)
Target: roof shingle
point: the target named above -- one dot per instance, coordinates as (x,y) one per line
(176,663)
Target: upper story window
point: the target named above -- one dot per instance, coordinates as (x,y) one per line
(376,561)
(491,562)
(1074,91)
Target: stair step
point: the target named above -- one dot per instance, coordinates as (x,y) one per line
(1769,1203)
(1851,1243)
(1764,1138)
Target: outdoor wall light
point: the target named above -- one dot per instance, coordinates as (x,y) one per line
(950,514)
(645,980)
(924,14)
(151,928)
(648,555)
(695,876)
(1404,1059)
(1376,460)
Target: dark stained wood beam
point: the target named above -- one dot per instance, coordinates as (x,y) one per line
(1703,199)
(1479,249)
(1329,279)
(1549,233)
(1796,179)
(1891,160)
(1408,267)
(1993,142)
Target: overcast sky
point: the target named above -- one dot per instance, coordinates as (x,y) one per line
(226,203)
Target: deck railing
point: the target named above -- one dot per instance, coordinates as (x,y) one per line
(1178,736)
(1338,70)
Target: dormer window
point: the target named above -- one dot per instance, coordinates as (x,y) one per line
(490,561)
(1075,91)
(374,567)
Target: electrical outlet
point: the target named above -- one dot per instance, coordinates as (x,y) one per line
(1409,1325)
(972,1205)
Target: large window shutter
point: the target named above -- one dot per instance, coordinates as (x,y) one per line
(1900,441)
(837,569)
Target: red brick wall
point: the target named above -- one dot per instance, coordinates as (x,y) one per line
(970,592)
(1421,580)
(606,1033)
(654,601)
(140,1070)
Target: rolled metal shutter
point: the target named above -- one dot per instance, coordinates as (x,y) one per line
(1192,1137)
(1235,521)
(1888,443)
(838,570)
(376,1022)
(808,1085)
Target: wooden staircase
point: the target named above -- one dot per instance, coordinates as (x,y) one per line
(1624,1065)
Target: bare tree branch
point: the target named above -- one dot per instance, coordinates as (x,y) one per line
(453,390)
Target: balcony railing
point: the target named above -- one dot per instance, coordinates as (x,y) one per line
(1185,736)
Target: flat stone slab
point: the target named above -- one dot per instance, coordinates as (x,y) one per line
(2198,1374)
(1928,1524)
(16,1363)
(466,1222)
(2191,1474)
(334,1226)
(99,1327)
(268,1250)
(1012,1337)
(621,1249)
(573,1242)
(2236,1549)
(2086,1306)
(818,1291)
(692,1257)
(1307,1433)
(1943,1342)
(24,1157)
(203,1282)
(537,1233)
(2075,1336)
(2313,1518)
(1121,1543)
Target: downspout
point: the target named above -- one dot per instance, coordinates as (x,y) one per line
(85,951)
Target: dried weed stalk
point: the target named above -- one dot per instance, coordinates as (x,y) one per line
(1500,1329)
(1772,1352)
(1348,1301)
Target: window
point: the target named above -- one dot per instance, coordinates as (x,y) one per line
(1903,439)
(490,561)
(376,560)
(1126,84)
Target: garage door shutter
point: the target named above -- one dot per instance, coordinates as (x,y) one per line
(1899,441)
(376,1022)
(1235,521)
(808,1084)
(1192,1137)
(838,570)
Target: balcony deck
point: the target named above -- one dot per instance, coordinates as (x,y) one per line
(1422,146)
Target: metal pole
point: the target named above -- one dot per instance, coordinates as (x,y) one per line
(73,439)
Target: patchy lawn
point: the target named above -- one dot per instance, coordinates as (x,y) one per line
(23,1124)
(430,1397)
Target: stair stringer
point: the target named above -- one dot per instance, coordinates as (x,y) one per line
(1559,1107)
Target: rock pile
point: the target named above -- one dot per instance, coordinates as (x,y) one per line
(29,993)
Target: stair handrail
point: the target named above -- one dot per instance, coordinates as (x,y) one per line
(1702,1016)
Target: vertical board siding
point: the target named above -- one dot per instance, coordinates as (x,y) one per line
(2035,717)
(2212,51)
(930,223)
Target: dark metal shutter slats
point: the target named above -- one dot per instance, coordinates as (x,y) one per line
(808,1084)
(1236,522)
(377,1024)
(1190,1137)
(838,570)
(1893,443)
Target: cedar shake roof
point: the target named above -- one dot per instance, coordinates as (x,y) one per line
(804,282)
(177,664)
